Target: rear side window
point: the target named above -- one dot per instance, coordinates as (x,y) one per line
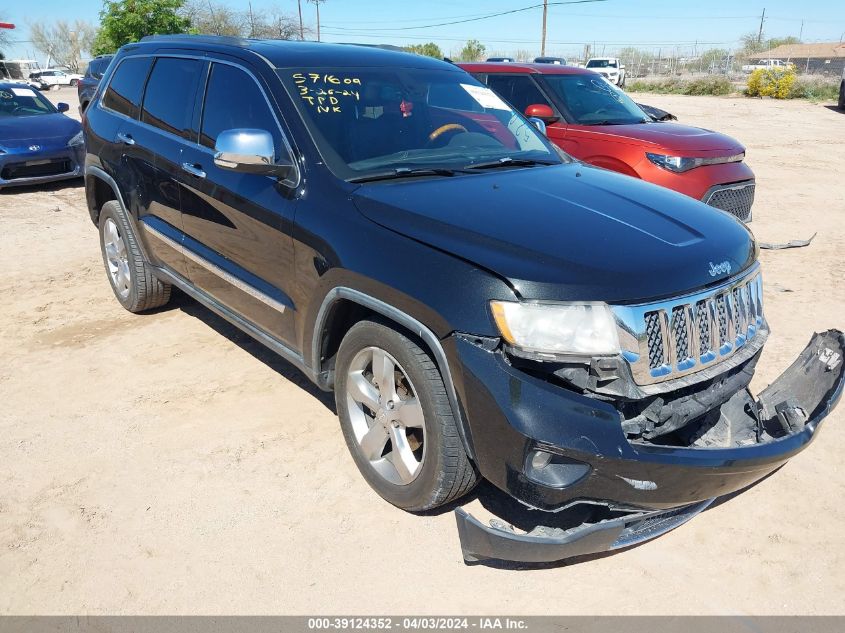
(127,85)
(97,67)
(233,100)
(171,94)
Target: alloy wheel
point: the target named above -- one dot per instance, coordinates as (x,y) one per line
(387,417)
(116,258)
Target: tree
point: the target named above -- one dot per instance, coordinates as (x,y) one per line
(217,19)
(125,21)
(429,49)
(714,60)
(472,51)
(781,41)
(63,43)
(274,24)
(213,19)
(5,38)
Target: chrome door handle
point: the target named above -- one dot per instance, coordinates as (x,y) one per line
(194,170)
(125,138)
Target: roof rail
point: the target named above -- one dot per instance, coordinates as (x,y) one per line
(187,37)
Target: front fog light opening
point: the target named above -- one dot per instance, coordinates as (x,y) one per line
(552,470)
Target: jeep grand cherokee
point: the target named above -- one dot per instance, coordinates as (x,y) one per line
(482,305)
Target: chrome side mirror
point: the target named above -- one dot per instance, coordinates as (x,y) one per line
(249,151)
(539,124)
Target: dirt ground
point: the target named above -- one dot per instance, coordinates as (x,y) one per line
(167,464)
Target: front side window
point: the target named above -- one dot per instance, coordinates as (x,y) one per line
(249,109)
(23,101)
(592,100)
(518,90)
(369,120)
(127,85)
(171,94)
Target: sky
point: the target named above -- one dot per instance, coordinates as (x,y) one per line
(657,25)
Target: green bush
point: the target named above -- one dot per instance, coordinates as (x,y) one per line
(815,89)
(715,85)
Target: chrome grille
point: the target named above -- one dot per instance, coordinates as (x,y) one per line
(656,353)
(722,310)
(702,318)
(680,333)
(736,200)
(678,337)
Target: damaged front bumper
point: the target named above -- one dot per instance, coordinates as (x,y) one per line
(650,487)
(543,544)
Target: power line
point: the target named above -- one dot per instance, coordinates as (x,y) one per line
(483,17)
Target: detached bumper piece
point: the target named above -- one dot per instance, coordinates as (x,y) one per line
(744,440)
(545,545)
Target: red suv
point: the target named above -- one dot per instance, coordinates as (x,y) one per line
(598,123)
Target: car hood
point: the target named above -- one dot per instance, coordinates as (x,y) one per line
(568,232)
(37,128)
(669,136)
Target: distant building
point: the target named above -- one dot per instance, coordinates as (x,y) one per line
(824,58)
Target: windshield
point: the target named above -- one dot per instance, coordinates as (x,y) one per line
(592,100)
(369,120)
(23,101)
(601,63)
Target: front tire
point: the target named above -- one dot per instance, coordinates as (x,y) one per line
(132,279)
(74,83)
(397,419)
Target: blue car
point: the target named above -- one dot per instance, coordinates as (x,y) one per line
(37,142)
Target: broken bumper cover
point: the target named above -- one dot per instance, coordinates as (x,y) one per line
(653,481)
(545,545)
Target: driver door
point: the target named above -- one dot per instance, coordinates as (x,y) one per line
(238,226)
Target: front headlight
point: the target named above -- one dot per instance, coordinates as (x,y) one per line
(584,329)
(76,140)
(680,164)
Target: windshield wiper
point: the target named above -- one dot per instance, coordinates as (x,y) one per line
(405,172)
(506,161)
(606,122)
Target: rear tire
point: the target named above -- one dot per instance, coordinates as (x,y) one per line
(397,419)
(74,83)
(132,279)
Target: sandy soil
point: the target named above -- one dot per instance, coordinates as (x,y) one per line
(167,464)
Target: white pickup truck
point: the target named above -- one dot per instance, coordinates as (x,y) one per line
(611,67)
(766,63)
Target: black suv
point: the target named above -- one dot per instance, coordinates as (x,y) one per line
(86,88)
(481,305)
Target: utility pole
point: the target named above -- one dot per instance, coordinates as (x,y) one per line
(301,29)
(801,32)
(543,43)
(251,21)
(760,32)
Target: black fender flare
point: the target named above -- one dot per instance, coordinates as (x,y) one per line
(403,319)
(92,171)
